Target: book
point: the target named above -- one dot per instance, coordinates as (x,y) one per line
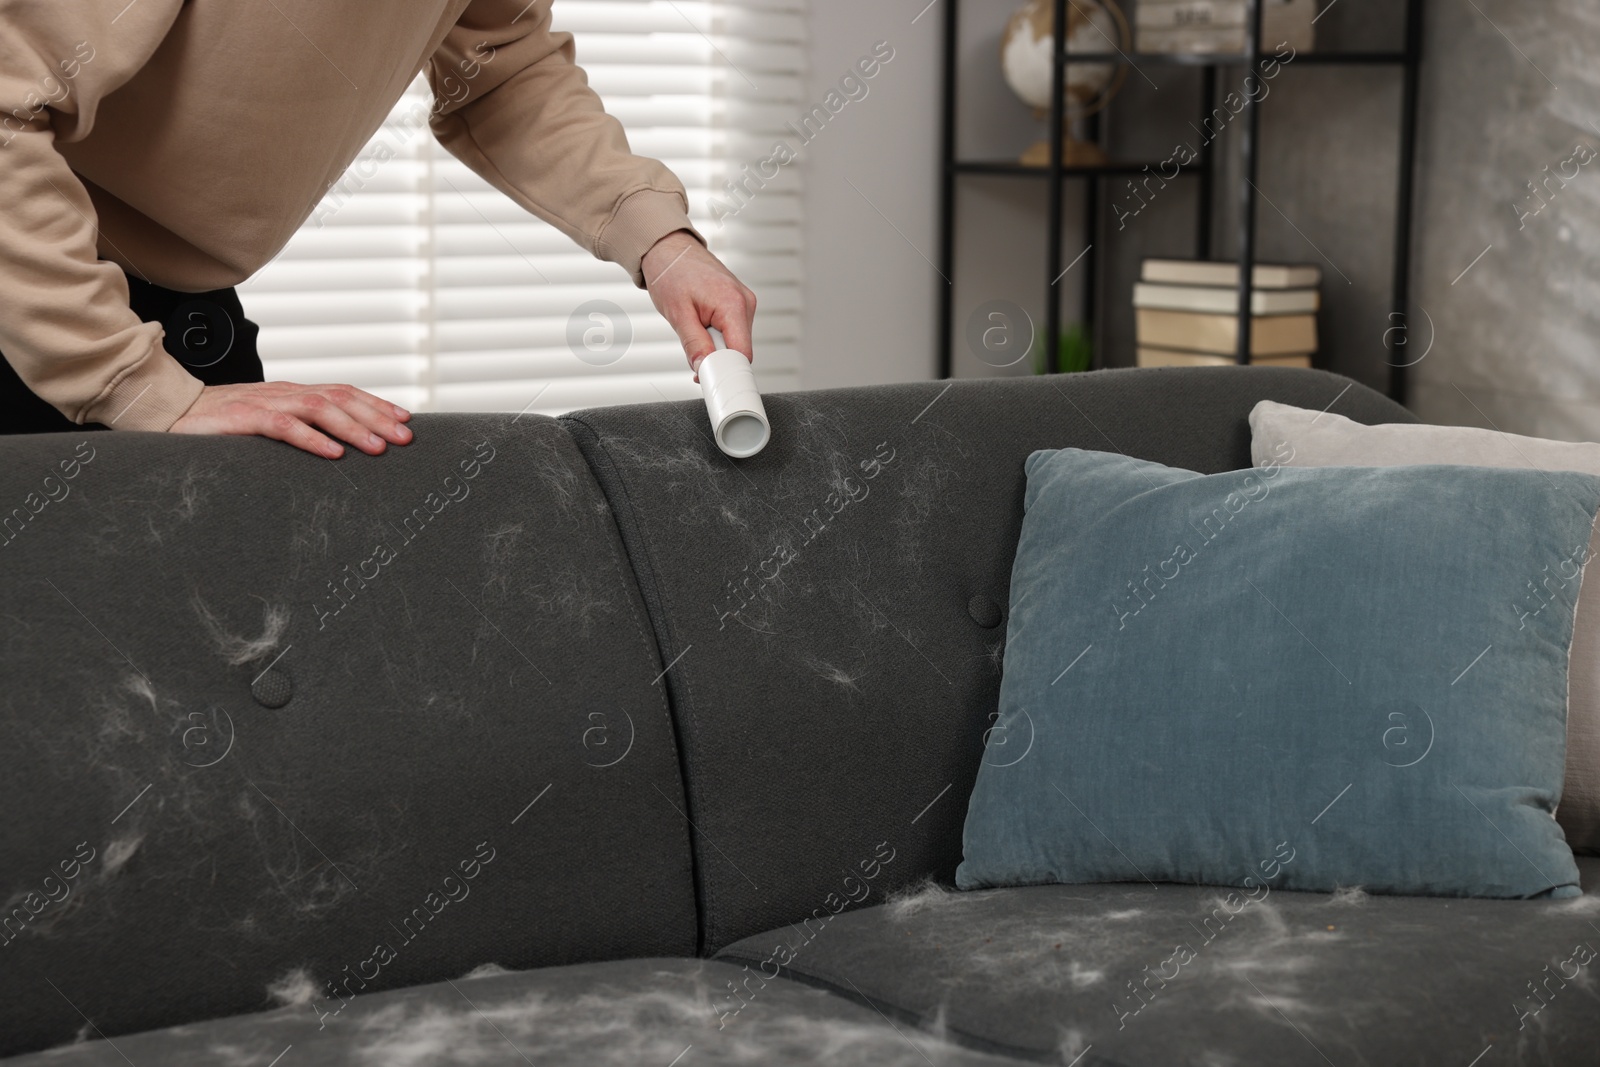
(1163,16)
(1283,22)
(1194,331)
(1166,357)
(1220,300)
(1203,272)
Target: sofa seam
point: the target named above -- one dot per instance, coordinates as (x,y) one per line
(845,989)
(688,764)
(647,640)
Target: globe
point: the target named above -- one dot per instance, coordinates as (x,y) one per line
(1025,60)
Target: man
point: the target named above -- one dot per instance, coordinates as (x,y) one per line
(155,153)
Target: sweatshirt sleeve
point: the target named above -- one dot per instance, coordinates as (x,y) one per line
(65,325)
(512,104)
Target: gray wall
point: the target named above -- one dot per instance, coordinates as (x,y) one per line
(1516,343)
(1509,344)
(871,200)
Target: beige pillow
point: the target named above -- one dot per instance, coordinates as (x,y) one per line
(1295,437)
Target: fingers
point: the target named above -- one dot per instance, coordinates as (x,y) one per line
(373,414)
(331,417)
(734,315)
(696,341)
(696,290)
(730,311)
(309,417)
(272,421)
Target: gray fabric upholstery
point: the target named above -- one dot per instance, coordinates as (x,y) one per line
(268,799)
(834,621)
(638,1013)
(1293,979)
(269,789)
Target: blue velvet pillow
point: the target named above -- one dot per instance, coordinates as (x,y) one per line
(1295,677)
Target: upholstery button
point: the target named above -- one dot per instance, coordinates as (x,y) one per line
(985,612)
(274,687)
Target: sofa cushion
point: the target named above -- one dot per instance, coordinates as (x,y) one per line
(1300,438)
(264,712)
(833,608)
(1150,977)
(652,1012)
(1217,676)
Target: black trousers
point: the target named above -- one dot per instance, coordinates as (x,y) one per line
(206,332)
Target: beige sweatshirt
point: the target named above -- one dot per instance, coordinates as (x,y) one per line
(186,140)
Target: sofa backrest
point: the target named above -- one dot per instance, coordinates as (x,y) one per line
(832,611)
(278,730)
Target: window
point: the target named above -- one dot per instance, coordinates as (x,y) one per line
(420,282)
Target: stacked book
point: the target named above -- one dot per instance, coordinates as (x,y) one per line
(1222,25)
(1187,313)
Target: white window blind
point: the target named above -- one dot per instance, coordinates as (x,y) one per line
(420,282)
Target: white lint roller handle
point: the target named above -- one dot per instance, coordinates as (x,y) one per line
(738,419)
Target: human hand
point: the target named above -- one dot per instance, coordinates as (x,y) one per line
(288,412)
(692,290)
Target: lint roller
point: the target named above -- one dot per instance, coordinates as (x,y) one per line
(738,419)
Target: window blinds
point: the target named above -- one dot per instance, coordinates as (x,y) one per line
(420,282)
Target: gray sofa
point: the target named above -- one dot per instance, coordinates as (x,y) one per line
(573,742)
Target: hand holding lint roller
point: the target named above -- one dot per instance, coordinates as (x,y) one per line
(738,418)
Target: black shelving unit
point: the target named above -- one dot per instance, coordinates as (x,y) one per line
(1203,169)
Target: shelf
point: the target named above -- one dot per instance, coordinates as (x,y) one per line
(1227,175)
(1011,169)
(1218,59)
